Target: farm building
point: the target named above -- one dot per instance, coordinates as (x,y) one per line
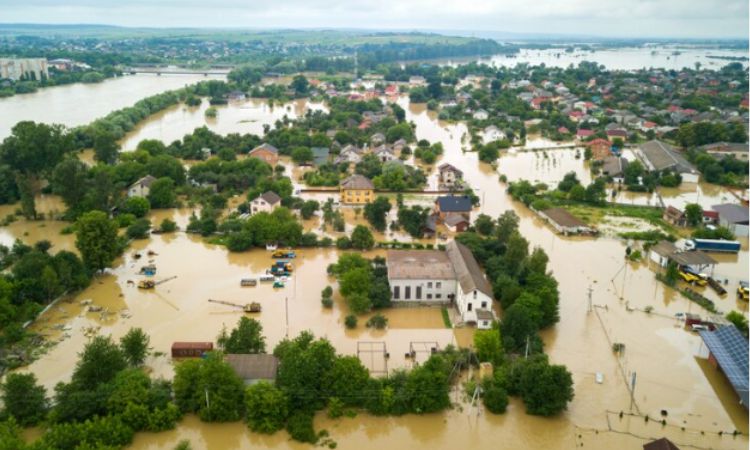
(734,217)
(728,351)
(564,222)
(442,277)
(659,156)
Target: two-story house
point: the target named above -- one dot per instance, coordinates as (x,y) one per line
(142,187)
(357,190)
(265,203)
(266,152)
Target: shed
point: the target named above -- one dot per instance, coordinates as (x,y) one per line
(191,349)
(453,204)
(659,156)
(661,252)
(564,222)
(456,222)
(255,367)
(320,155)
(734,217)
(675,216)
(728,350)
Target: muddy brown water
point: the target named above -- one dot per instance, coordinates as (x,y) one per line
(663,354)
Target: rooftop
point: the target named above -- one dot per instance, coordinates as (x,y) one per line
(271,197)
(660,444)
(663,156)
(730,349)
(445,166)
(267,147)
(454,203)
(468,272)
(419,264)
(732,213)
(254,367)
(357,182)
(562,217)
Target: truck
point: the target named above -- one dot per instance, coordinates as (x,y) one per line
(690,276)
(743,290)
(713,245)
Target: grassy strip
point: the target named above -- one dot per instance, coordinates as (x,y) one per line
(650,236)
(446,318)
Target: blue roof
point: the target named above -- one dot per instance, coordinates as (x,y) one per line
(460,203)
(730,349)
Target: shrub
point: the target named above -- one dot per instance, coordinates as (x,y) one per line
(351,321)
(168,226)
(300,427)
(377,321)
(139,229)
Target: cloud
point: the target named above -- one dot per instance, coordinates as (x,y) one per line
(634,18)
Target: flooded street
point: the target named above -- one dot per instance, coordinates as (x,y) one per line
(670,377)
(78,104)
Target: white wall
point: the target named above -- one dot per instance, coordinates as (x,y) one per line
(447,288)
(473,298)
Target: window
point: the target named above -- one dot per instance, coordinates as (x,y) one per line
(468,306)
(407,292)
(438,284)
(429,284)
(429,296)
(419,293)
(396,292)
(438,295)
(484,304)
(475,294)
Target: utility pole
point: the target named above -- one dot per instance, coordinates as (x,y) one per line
(632,391)
(286,313)
(526,354)
(590,306)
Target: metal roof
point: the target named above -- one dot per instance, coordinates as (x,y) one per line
(692,258)
(454,203)
(254,367)
(732,213)
(468,272)
(419,265)
(730,349)
(357,182)
(663,156)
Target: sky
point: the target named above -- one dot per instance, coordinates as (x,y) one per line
(606,18)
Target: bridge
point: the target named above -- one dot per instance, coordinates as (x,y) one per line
(174,70)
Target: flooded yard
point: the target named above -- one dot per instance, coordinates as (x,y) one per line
(657,348)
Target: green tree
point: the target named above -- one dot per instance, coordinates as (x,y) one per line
(139,229)
(210,388)
(507,225)
(70,181)
(362,238)
(24,399)
(106,148)
(308,208)
(162,194)
(300,85)
(267,408)
(484,225)
(516,327)
(693,214)
(134,346)
(739,321)
(488,347)
(347,380)
(247,337)
(301,155)
(137,206)
(546,389)
(376,211)
(96,239)
(494,397)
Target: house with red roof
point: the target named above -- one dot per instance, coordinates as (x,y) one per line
(575,116)
(600,149)
(563,130)
(581,134)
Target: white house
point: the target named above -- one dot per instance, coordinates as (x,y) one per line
(436,277)
(265,203)
(349,154)
(449,174)
(480,115)
(384,153)
(493,133)
(142,187)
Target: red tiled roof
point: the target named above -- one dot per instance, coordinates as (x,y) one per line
(585,133)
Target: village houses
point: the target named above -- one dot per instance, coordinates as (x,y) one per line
(450,176)
(266,152)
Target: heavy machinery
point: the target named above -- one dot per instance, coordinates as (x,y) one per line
(150,284)
(253,307)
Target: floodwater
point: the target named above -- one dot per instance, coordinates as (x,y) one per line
(670,375)
(78,104)
(246,116)
(629,58)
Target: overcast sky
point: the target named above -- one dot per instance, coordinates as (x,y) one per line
(621,18)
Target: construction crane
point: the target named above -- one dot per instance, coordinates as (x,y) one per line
(150,284)
(253,307)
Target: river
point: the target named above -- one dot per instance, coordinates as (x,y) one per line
(78,104)
(627,58)
(658,349)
